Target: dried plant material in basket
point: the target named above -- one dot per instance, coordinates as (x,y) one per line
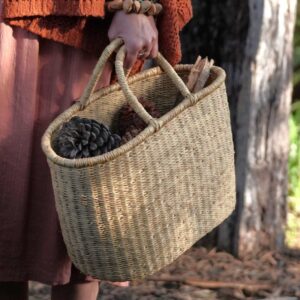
(128,213)
(203,76)
(198,76)
(130,124)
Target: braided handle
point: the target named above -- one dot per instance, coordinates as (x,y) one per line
(97,72)
(132,99)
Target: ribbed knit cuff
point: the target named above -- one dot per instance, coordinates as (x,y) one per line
(30,8)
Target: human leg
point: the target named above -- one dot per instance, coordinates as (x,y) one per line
(76,291)
(13,290)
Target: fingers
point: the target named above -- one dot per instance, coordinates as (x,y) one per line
(154,49)
(145,52)
(134,51)
(131,57)
(141,44)
(139,33)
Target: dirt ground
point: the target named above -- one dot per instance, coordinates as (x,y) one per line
(201,274)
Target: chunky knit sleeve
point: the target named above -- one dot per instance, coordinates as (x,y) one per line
(177,13)
(42,8)
(77,23)
(83,24)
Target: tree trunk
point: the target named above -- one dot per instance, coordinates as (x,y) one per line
(253,41)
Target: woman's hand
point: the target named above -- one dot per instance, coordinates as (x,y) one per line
(139,34)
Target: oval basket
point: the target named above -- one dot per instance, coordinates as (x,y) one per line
(126,214)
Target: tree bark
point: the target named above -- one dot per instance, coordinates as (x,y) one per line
(253,41)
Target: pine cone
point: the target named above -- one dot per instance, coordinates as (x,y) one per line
(130,134)
(81,138)
(130,124)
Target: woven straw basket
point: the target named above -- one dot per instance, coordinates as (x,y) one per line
(128,213)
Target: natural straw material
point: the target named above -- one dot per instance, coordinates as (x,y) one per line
(128,213)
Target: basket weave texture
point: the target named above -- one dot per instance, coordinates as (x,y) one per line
(128,213)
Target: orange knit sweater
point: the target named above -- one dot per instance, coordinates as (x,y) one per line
(81,23)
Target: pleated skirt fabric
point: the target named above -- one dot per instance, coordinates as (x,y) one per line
(38,80)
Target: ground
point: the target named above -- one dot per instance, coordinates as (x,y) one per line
(201,274)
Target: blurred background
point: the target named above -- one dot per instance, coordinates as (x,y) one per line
(293,224)
(255,254)
(253,41)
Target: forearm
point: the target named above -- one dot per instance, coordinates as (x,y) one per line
(47,19)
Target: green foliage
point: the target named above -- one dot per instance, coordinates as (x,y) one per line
(297,50)
(294,159)
(293,226)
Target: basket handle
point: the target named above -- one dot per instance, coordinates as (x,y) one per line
(97,72)
(132,99)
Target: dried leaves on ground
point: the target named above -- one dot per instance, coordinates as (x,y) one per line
(202,274)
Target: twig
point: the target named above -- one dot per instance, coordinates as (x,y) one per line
(204,75)
(193,77)
(294,253)
(194,74)
(282,298)
(198,76)
(251,287)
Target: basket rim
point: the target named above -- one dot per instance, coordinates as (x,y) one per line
(150,130)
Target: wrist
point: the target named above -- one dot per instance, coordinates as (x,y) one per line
(131,15)
(145,7)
